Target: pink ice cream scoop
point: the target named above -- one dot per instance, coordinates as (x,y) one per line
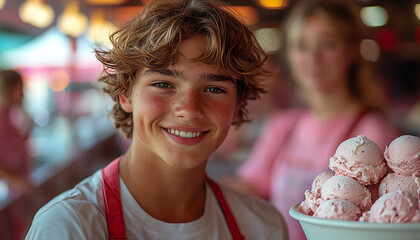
(312,195)
(359,158)
(321,178)
(403,155)
(338,209)
(394,181)
(343,187)
(393,207)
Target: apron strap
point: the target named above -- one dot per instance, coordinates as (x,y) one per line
(230,219)
(113,208)
(112,201)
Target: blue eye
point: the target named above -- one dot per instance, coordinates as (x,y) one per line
(162,85)
(215,90)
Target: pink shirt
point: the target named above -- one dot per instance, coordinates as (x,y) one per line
(295,146)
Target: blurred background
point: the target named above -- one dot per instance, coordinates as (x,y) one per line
(50,43)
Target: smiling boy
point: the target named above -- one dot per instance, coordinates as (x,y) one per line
(180,74)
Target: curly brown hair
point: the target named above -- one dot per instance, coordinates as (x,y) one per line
(152,38)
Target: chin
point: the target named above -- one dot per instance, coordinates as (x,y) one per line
(183,162)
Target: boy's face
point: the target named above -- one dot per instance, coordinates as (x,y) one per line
(182,113)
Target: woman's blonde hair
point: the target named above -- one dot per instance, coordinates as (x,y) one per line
(151,40)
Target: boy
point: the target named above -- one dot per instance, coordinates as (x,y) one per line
(180,74)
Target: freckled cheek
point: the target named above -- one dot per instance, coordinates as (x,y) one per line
(147,110)
(222,113)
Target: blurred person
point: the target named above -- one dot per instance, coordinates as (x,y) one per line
(14,158)
(278,95)
(179,79)
(323,39)
(15,162)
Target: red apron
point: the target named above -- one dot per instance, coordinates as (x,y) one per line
(113,207)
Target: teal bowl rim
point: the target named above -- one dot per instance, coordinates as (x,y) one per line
(294,213)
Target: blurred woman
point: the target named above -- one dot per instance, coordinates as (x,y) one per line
(323,53)
(14,158)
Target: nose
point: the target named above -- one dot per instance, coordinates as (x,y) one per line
(189,105)
(314,55)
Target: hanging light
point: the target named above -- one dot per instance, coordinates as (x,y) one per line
(417,10)
(370,50)
(36,13)
(374,16)
(2,2)
(72,22)
(270,39)
(100,29)
(273,4)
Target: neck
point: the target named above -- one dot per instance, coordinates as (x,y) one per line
(165,193)
(336,103)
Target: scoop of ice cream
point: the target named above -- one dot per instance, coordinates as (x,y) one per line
(338,209)
(311,202)
(359,158)
(394,207)
(394,181)
(343,187)
(306,206)
(403,155)
(321,178)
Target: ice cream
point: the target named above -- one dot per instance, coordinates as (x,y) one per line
(394,207)
(360,177)
(403,155)
(321,178)
(343,187)
(338,209)
(394,181)
(312,195)
(359,158)
(337,187)
(373,189)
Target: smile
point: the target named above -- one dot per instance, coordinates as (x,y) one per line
(184,134)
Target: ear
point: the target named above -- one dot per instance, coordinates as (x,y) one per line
(125,102)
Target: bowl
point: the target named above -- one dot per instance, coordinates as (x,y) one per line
(329,229)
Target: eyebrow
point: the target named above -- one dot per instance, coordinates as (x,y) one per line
(165,72)
(179,74)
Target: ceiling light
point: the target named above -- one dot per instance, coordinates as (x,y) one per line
(36,13)
(417,10)
(270,39)
(72,22)
(273,4)
(2,2)
(374,16)
(100,29)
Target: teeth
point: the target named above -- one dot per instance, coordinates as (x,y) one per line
(184,134)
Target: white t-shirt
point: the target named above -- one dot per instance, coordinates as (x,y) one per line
(79,214)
